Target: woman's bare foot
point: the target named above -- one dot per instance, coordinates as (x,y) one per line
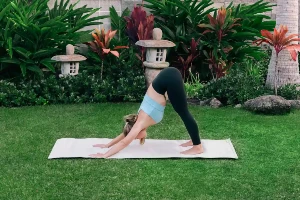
(187,144)
(197,149)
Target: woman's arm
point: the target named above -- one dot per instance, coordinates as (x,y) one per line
(111,143)
(124,142)
(116,140)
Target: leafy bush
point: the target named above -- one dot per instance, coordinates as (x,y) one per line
(38,33)
(289,91)
(243,82)
(126,76)
(179,21)
(193,86)
(82,88)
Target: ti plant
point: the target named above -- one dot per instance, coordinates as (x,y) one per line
(229,33)
(279,41)
(220,25)
(217,66)
(193,53)
(101,45)
(139,27)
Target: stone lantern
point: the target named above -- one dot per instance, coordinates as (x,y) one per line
(156,51)
(69,62)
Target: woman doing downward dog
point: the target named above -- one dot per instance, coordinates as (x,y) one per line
(151,112)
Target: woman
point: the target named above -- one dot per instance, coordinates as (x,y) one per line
(151,112)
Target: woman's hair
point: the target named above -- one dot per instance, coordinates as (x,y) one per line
(129,122)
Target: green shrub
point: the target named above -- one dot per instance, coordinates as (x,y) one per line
(193,86)
(243,82)
(127,66)
(9,94)
(179,21)
(289,91)
(37,33)
(82,88)
(233,90)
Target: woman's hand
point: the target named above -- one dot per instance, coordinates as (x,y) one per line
(101,145)
(98,155)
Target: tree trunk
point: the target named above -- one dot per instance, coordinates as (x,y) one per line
(276,75)
(288,70)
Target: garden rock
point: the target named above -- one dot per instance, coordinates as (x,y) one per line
(295,104)
(193,101)
(269,104)
(238,106)
(212,102)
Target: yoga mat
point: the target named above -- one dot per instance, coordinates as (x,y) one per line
(82,148)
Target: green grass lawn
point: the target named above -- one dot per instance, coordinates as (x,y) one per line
(268,148)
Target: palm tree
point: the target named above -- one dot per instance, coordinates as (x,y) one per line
(288,70)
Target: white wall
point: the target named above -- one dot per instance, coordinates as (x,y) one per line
(122,4)
(103,4)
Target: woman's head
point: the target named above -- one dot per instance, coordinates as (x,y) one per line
(129,122)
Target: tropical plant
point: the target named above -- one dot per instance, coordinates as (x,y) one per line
(101,45)
(179,19)
(119,23)
(193,85)
(221,24)
(185,64)
(228,33)
(139,27)
(217,66)
(253,20)
(279,41)
(39,33)
(76,18)
(6,36)
(287,13)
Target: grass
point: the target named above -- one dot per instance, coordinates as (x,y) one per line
(268,148)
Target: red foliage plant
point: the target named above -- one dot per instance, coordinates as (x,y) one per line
(221,25)
(101,44)
(280,42)
(139,27)
(193,54)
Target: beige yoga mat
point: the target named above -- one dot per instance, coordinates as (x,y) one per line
(82,148)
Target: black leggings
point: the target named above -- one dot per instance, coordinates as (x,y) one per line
(169,80)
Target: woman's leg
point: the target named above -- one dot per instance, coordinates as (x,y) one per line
(172,80)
